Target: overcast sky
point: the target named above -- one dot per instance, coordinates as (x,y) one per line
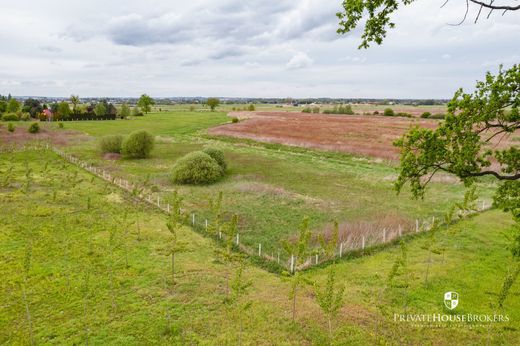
(254,48)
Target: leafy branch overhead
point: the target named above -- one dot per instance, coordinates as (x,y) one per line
(379,12)
(467,142)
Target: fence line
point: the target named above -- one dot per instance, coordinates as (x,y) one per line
(290,263)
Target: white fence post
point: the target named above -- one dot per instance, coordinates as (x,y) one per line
(400,231)
(168,208)
(292,263)
(259,249)
(416,225)
(158,202)
(384,235)
(238,239)
(278,256)
(193,219)
(363,242)
(316,258)
(206,225)
(340,249)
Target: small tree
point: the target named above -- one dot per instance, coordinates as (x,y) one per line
(63,110)
(213,103)
(13,106)
(226,255)
(125,111)
(174,224)
(100,110)
(330,298)
(298,252)
(145,102)
(74,99)
(239,288)
(34,128)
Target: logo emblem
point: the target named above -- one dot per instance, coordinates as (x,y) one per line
(451,300)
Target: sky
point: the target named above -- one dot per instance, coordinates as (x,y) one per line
(237,48)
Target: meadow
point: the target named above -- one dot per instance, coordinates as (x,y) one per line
(81,262)
(272,187)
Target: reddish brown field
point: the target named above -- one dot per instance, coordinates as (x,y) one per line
(21,136)
(356,134)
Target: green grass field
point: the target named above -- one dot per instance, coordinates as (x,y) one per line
(72,256)
(271,188)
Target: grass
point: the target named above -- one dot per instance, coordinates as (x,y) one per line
(68,228)
(270,187)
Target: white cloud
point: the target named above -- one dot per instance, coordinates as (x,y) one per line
(298,61)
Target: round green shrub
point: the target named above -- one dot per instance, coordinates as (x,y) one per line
(138,145)
(234,120)
(389,112)
(34,128)
(60,125)
(218,156)
(10,117)
(111,144)
(196,168)
(426,115)
(10,127)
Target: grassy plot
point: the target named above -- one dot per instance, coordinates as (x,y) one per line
(271,188)
(74,260)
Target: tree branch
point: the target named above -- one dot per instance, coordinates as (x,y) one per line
(496,7)
(495,174)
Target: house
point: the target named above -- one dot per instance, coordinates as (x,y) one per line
(48,114)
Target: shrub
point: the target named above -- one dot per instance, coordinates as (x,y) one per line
(138,145)
(196,168)
(404,114)
(307,110)
(10,127)
(234,120)
(217,155)
(316,110)
(426,115)
(347,109)
(251,108)
(111,144)
(376,112)
(389,112)
(34,128)
(60,125)
(438,116)
(10,117)
(136,112)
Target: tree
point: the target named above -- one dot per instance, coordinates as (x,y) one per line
(125,111)
(100,109)
(213,103)
(62,110)
(13,106)
(298,252)
(330,298)
(33,107)
(74,99)
(380,11)
(145,102)
(174,224)
(462,144)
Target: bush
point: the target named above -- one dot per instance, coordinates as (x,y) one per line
(34,128)
(60,125)
(196,168)
(404,114)
(111,144)
(316,110)
(389,112)
(251,108)
(218,156)
(438,116)
(10,127)
(347,109)
(138,145)
(376,112)
(10,117)
(426,115)
(307,110)
(234,120)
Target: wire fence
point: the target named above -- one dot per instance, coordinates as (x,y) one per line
(274,260)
